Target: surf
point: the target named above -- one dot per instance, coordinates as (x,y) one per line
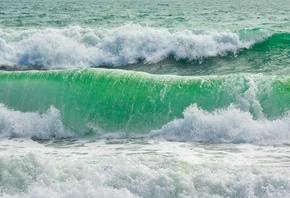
(75,46)
(101,101)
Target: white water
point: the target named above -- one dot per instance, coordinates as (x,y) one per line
(84,47)
(152,166)
(230,125)
(141,168)
(31,124)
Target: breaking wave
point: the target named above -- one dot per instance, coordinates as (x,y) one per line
(230,125)
(75,46)
(31,124)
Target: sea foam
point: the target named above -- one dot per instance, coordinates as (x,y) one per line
(229,125)
(85,47)
(36,175)
(31,124)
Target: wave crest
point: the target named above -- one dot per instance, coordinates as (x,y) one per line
(229,125)
(84,47)
(31,125)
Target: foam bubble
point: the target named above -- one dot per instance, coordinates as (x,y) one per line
(31,125)
(36,175)
(230,125)
(84,47)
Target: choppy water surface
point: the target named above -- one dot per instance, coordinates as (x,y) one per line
(144,99)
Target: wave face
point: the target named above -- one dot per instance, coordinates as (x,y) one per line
(74,46)
(100,101)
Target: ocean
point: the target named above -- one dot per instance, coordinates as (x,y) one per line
(131,98)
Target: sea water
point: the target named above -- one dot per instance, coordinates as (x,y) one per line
(137,98)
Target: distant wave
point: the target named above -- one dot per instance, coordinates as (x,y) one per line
(85,47)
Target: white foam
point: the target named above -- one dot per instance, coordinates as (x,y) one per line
(84,47)
(39,175)
(229,125)
(31,124)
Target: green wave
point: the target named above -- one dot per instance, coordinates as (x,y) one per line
(276,41)
(102,100)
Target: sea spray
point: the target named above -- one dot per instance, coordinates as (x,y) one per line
(75,46)
(210,120)
(31,124)
(230,125)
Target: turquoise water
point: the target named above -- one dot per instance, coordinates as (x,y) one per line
(144,99)
(202,38)
(199,15)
